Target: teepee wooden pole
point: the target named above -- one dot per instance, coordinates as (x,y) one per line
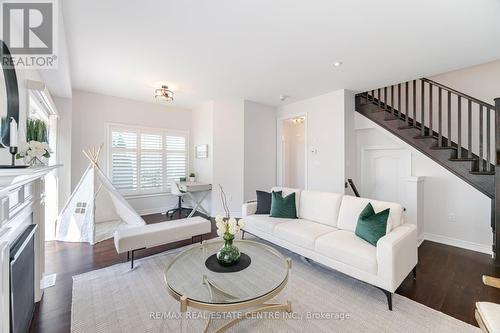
(98,153)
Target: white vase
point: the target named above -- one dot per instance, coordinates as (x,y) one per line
(192,179)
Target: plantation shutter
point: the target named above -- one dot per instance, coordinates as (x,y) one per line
(151,164)
(176,158)
(124,160)
(142,160)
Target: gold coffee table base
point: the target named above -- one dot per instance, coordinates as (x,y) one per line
(260,303)
(266,307)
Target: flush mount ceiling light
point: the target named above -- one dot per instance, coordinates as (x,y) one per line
(337,63)
(163,94)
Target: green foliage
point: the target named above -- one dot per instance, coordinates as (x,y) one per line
(36,130)
(192,174)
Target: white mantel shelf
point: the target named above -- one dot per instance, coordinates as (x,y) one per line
(11,178)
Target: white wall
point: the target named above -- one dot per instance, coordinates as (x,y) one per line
(325,117)
(259,148)
(228,154)
(481,81)
(90,113)
(444,193)
(65,109)
(202,133)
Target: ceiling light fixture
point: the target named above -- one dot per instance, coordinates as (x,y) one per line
(283,97)
(337,63)
(164,94)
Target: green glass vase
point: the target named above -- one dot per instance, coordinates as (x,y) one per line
(228,254)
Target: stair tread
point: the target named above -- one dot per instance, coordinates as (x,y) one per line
(483,182)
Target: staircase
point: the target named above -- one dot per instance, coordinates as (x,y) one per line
(454,129)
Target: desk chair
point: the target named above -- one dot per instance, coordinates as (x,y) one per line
(174,189)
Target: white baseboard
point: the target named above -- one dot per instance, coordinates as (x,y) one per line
(459,243)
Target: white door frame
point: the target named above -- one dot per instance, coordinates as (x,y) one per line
(279,146)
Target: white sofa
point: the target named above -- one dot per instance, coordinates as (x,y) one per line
(324,232)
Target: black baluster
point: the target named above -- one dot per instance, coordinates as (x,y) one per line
(399,102)
(406,105)
(422,119)
(469,129)
(415,103)
(488,140)
(459,129)
(481,137)
(440,107)
(392,100)
(385,98)
(430,110)
(378,95)
(449,119)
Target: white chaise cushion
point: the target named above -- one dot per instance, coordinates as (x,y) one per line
(263,223)
(351,207)
(321,207)
(346,247)
(301,232)
(490,314)
(155,234)
(287,191)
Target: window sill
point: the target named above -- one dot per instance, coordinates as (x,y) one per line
(145,195)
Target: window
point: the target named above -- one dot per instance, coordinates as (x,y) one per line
(143,160)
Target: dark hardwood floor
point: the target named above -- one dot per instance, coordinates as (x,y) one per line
(448,278)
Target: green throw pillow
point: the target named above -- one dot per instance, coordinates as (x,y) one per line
(283,207)
(371,227)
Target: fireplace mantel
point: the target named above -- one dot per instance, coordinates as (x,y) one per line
(22,197)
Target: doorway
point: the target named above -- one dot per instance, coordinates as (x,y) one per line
(293,152)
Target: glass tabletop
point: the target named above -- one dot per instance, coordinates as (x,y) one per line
(187,274)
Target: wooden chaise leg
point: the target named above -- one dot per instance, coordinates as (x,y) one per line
(242,234)
(414,273)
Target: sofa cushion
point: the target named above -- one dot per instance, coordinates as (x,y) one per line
(372,226)
(263,202)
(302,232)
(264,222)
(283,207)
(287,191)
(346,247)
(321,207)
(351,207)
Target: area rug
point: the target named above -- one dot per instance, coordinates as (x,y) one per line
(117,299)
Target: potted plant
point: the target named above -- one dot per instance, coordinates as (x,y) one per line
(192,177)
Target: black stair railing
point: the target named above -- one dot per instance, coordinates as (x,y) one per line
(456,120)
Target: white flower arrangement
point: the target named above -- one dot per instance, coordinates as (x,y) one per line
(228,226)
(34,150)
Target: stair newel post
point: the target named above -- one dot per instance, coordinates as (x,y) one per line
(496,230)
(469,129)
(459,127)
(440,115)
(422,109)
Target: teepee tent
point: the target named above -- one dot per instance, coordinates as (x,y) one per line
(95,209)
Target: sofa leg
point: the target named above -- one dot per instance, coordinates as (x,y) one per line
(389,299)
(414,273)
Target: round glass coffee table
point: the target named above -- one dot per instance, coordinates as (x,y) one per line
(191,283)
